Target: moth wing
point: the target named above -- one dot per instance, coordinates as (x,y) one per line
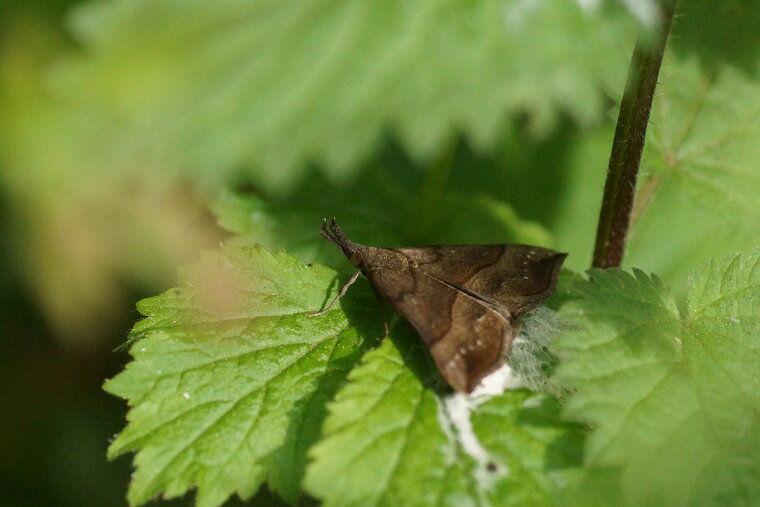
(514,278)
(466,338)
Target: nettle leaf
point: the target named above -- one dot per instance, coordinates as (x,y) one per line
(384,441)
(699,194)
(699,191)
(674,399)
(229,379)
(273,85)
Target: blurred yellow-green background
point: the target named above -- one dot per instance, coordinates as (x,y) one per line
(76,254)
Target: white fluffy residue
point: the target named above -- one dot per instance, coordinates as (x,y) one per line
(530,358)
(496,383)
(455,419)
(458,407)
(450,451)
(456,410)
(454,415)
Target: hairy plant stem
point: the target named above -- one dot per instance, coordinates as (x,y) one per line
(630,133)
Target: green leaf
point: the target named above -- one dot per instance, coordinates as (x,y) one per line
(674,399)
(699,189)
(230,378)
(274,85)
(699,195)
(384,441)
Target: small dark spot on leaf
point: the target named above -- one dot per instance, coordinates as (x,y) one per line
(491,467)
(309,265)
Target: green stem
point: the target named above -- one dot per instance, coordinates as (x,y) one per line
(630,133)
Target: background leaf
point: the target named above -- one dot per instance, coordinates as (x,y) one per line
(673,398)
(271,86)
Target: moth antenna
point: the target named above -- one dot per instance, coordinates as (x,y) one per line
(330,235)
(325,232)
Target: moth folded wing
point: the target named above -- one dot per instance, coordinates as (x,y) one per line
(476,345)
(466,338)
(523,277)
(512,278)
(456,264)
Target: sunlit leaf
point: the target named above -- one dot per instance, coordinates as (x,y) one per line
(230,377)
(673,398)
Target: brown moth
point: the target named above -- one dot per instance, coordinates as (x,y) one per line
(463,300)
